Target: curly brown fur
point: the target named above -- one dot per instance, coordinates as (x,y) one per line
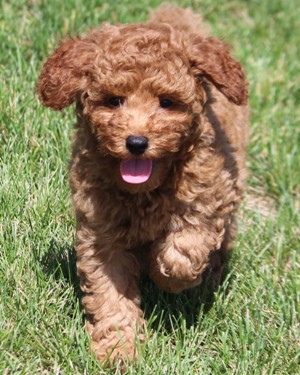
(184,212)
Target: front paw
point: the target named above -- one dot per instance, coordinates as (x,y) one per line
(115,347)
(114,352)
(176,269)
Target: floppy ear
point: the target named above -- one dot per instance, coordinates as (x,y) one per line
(65,72)
(212,59)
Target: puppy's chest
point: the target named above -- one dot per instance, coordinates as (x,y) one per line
(145,219)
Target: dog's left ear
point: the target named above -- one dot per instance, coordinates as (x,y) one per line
(211,58)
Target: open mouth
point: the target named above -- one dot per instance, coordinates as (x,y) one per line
(136,171)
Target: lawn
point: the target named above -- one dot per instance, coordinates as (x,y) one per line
(250,324)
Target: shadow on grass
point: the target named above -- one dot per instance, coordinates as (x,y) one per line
(160,308)
(163,309)
(60,261)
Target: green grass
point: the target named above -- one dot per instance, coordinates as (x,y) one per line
(250,325)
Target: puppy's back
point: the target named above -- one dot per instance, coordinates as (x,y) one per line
(181,19)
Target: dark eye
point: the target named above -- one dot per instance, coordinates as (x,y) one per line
(165,103)
(116,101)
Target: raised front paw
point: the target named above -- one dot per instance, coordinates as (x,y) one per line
(177,264)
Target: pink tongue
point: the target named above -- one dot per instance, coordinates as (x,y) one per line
(136,171)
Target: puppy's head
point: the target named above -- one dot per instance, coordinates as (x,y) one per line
(138,89)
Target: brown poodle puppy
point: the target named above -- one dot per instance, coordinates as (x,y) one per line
(158,161)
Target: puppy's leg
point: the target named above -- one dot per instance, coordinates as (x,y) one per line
(109,280)
(178,260)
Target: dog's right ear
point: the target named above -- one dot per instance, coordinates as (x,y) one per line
(65,73)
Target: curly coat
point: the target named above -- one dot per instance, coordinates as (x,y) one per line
(178,220)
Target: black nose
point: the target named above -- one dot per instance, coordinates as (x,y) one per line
(137,145)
